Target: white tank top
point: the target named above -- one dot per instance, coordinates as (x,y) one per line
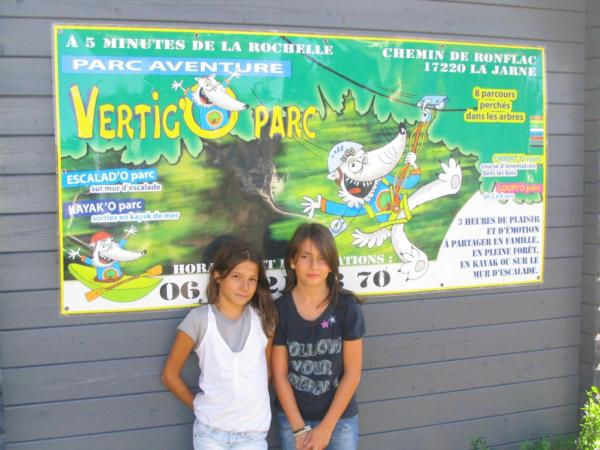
(235,386)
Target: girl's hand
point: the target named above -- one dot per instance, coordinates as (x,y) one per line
(301,441)
(319,437)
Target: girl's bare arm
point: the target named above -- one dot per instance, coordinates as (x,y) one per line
(268,354)
(352,357)
(171,374)
(285,393)
(283,388)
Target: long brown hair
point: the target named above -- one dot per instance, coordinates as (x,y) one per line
(321,238)
(228,256)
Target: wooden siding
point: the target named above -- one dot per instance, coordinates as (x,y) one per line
(440,368)
(590,313)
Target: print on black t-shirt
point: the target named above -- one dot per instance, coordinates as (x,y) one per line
(315,352)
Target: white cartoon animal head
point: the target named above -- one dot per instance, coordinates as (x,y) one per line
(106,251)
(210,92)
(357,171)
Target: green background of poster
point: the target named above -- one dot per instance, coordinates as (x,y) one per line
(252,187)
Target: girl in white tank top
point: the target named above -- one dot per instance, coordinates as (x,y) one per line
(232,338)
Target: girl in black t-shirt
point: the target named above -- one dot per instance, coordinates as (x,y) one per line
(317,352)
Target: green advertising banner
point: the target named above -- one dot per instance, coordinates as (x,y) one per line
(425,159)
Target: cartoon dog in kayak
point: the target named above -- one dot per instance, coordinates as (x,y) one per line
(107,255)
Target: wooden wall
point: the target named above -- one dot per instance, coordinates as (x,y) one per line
(440,369)
(590,315)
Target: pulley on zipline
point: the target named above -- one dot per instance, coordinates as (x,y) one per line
(429,105)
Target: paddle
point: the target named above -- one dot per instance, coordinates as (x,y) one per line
(93,295)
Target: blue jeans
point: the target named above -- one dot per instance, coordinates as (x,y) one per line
(207,438)
(344,436)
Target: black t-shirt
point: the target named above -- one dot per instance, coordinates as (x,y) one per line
(315,352)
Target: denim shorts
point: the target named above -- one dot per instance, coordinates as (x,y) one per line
(344,436)
(207,438)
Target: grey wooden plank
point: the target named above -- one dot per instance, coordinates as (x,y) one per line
(408,16)
(72,381)
(27,155)
(172,437)
(518,445)
(565,88)
(485,309)
(44,265)
(40,309)
(37,193)
(465,405)
(578,5)
(592,105)
(591,198)
(28,193)
(38,232)
(565,119)
(156,438)
(99,415)
(591,228)
(497,430)
(17,39)
(592,14)
(565,181)
(424,379)
(26,116)
(23,37)
(376,384)
(2,433)
(591,258)
(34,116)
(441,345)
(158,409)
(589,348)
(592,37)
(37,154)
(83,343)
(14,277)
(590,318)
(564,211)
(592,70)
(34,232)
(586,378)
(33,76)
(590,173)
(561,56)
(563,242)
(592,135)
(558,60)
(592,164)
(591,377)
(591,288)
(25,76)
(88,343)
(90,380)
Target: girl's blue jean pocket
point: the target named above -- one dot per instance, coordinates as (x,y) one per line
(207,438)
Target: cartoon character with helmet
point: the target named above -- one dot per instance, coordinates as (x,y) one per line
(107,255)
(370,183)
